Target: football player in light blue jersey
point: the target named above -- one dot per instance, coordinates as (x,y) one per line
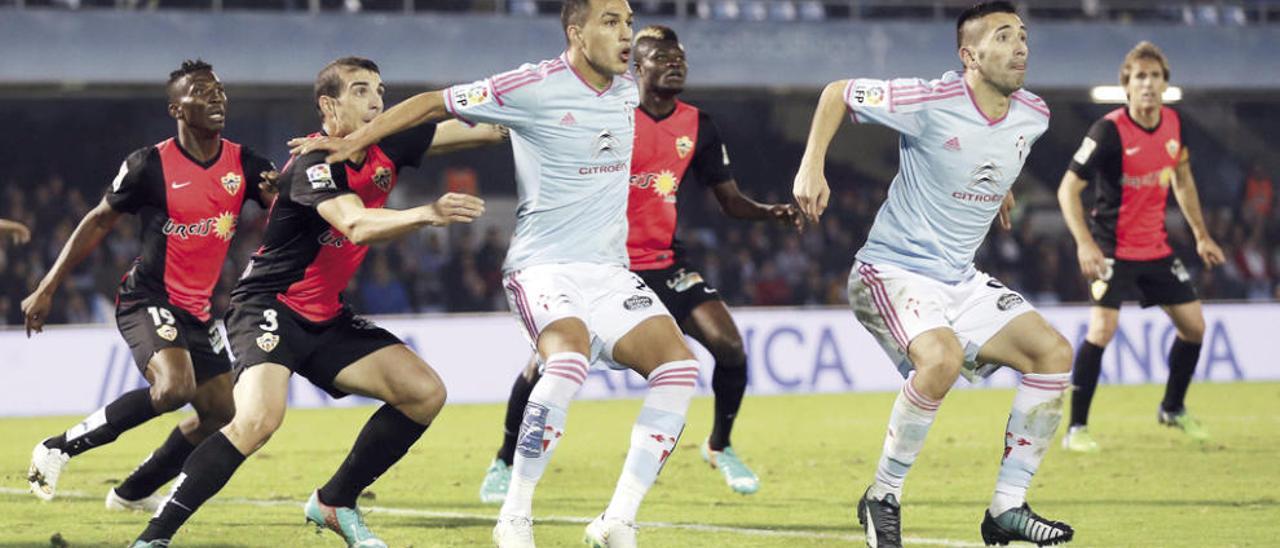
(964,138)
(566,274)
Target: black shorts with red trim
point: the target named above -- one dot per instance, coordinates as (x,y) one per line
(264,330)
(152,324)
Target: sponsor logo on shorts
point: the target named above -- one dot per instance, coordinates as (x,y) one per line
(268,341)
(636,302)
(1009,300)
(167,332)
(1180,271)
(683,281)
(529,441)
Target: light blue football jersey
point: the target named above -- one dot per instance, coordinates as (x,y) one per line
(956,166)
(572,147)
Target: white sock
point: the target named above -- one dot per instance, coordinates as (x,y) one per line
(909,423)
(655,435)
(1037,410)
(542,427)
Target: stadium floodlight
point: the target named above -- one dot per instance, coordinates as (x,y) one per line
(1115,94)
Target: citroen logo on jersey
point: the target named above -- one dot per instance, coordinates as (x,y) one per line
(606,143)
(231,182)
(684,145)
(986,174)
(382,178)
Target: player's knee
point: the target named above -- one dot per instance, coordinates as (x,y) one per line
(253,429)
(1101,331)
(1192,331)
(217,415)
(171,395)
(728,351)
(1056,358)
(938,359)
(423,401)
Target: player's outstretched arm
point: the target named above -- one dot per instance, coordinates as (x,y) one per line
(13,229)
(1092,261)
(452,136)
(1184,190)
(414,111)
(365,226)
(737,205)
(810,188)
(86,237)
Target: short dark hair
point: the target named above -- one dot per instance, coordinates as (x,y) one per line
(188,67)
(978,11)
(574,12)
(329,80)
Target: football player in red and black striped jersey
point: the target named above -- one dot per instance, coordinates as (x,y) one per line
(189,191)
(1135,156)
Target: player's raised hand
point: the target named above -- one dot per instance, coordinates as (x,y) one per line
(1006,211)
(1209,252)
(787,214)
(1093,264)
(455,208)
(19,232)
(811,192)
(35,310)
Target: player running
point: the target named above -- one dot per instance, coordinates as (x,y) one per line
(287,314)
(1135,154)
(674,140)
(189,191)
(964,139)
(572,123)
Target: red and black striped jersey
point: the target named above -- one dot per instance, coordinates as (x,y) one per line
(189,211)
(667,150)
(1132,168)
(304,261)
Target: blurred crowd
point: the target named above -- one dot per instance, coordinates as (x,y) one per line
(758,264)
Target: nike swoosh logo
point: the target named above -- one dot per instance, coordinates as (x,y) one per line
(708,290)
(176,185)
(1132,151)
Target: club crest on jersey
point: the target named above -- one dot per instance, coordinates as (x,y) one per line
(382,178)
(321,177)
(167,332)
(684,145)
(470,96)
(231,182)
(267,341)
(1172,147)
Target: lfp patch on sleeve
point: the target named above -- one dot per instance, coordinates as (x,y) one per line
(321,177)
(469,96)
